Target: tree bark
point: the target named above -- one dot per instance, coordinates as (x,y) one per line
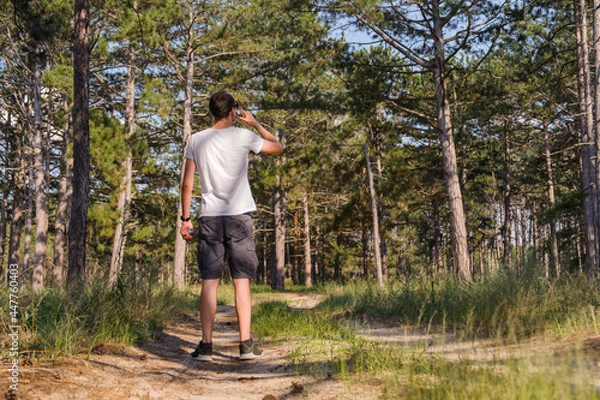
(383,246)
(376,242)
(308,282)
(296,254)
(458,224)
(320,263)
(279,226)
(81,144)
(596,159)
(278,271)
(16,226)
(41,195)
(437,256)
(125,196)
(506,230)
(18,207)
(61,221)
(554,260)
(586,136)
(28,222)
(180,244)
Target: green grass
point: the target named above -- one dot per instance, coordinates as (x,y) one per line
(507,309)
(277,321)
(55,322)
(325,341)
(513,378)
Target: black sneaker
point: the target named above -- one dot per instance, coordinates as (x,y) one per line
(203,352)
(249,350)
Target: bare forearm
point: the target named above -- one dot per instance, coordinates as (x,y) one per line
(187,184)
(186,200)
(264,133)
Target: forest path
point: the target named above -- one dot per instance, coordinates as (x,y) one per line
(162,368)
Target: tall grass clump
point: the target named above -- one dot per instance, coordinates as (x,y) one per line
(57,322)
(507,306)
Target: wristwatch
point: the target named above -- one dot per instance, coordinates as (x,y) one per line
(185,219)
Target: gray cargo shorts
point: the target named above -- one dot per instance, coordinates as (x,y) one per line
(226,238)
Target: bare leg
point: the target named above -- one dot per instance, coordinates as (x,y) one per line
(243,306)
(208,308)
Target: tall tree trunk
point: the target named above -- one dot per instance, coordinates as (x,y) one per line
(383,247)
(296,253)
(482,274)
(437,257)
(551,200)
(180,244)
(28,222)
(320,263)
(125,196)
(518,228)
(65,190)
(279,227)
(578,250)
(81,144)
(337,268)
(308,282)
(266,249)
(16,226)
(545,258)
(596,159)
(18,205)
(506,230)
(364,240)
(278,265)
(586,137)
(457,214)
(374,211)
(41,194)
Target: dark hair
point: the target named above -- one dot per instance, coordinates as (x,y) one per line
(220,104)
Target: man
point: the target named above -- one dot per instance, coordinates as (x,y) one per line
(220,156)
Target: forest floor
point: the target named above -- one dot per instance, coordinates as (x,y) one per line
(162,368)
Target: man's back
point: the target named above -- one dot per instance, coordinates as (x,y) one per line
(221,157)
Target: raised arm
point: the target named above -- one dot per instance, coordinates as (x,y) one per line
(271,144)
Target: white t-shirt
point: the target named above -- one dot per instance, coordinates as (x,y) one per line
(221,157)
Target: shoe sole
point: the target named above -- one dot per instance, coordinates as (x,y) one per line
(202,358)
(249,356)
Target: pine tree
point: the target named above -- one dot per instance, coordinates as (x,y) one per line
(81,148)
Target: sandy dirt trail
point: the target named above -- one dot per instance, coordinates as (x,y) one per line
(163,369)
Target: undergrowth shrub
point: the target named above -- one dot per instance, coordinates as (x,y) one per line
(58,322)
